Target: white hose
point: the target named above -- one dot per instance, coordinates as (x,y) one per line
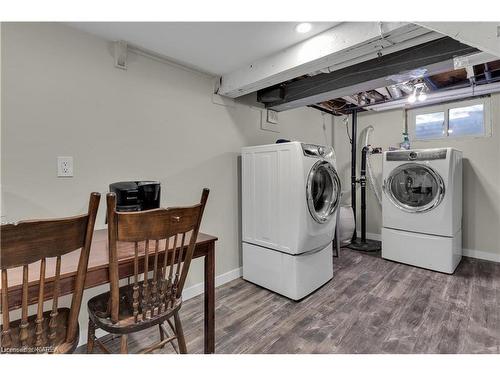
(334,157)
(372,183)
(368,131)
(369,169)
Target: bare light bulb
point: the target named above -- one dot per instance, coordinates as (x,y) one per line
(303,27)
(413,97)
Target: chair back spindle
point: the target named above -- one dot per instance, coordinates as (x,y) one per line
(6,337)
(39,314)
(154,288)
(55,300)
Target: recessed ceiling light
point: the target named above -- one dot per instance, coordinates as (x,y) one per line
(303,27)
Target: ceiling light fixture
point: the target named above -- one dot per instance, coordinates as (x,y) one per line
(423,94)
(303,27)
(413,96)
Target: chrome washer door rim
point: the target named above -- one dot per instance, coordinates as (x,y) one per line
(415,209)
(334,201)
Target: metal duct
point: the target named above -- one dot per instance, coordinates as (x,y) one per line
(487,73)
(363,99)
(406,87)
(394,91)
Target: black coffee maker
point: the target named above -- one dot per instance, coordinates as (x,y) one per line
(136,195)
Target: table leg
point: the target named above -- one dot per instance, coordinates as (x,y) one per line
(210,300)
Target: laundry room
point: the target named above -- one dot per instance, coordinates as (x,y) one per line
(201,184)
(480,155)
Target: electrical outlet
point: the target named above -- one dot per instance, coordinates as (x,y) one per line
(65,166)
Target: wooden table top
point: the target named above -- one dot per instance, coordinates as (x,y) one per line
(98,259)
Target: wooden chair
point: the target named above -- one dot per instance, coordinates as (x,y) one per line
(29,242)
(152,301)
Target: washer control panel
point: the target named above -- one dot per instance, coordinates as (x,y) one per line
(317,151)
(412,155)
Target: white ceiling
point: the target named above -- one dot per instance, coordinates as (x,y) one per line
(213,47)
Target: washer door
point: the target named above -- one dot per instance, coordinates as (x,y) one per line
(323,191)
(414,187)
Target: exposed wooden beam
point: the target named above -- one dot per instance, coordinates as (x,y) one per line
(435,57)
(351,100)
(345,44)
(383,91)
(322,109)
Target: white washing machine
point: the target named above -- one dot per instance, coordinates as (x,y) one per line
(290,194)
(422,208)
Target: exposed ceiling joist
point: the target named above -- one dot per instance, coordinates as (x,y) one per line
(432,57)
(383,91)
(474,59)
(351,100)
(343,45)
(440,96)
(485,36)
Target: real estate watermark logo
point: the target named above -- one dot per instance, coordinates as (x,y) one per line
(28,349)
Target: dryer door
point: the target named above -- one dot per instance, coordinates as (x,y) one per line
(323,191)
(414,187)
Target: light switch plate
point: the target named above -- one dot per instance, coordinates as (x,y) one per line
(64,166)
(272,116)
(265,124)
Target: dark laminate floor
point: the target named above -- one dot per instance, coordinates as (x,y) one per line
(370,306)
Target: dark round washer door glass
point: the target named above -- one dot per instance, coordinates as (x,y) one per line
(414,186)
(324,190)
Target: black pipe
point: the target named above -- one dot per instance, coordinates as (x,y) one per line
(362,180)
(363,244)
(353,168)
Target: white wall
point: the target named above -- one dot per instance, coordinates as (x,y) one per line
(63,96)
(481,195)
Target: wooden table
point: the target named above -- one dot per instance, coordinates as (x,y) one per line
(98,275)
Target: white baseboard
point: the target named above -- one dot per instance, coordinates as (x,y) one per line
(370,236)
(373,236)
(188,293)
(199,288)
(471,253)
(478,254)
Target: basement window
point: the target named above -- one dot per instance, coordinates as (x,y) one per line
(469,118)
